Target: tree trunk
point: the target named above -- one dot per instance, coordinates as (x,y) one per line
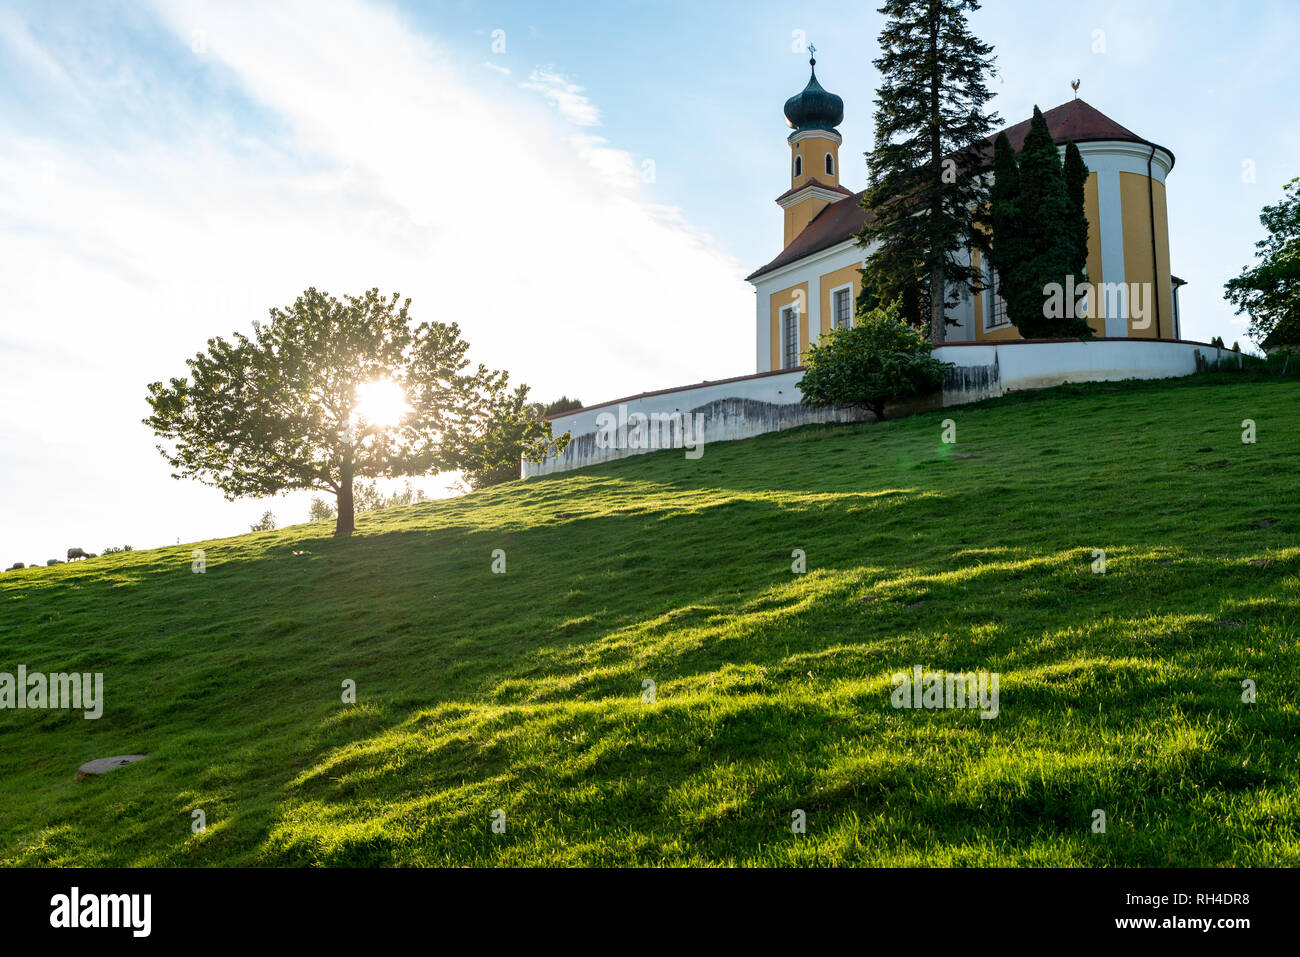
(936,304)
(345,524)
(937,291)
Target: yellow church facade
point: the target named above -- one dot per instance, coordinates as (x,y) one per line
(812,285)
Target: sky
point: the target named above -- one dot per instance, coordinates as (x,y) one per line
(581,186)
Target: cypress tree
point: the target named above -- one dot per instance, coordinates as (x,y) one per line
(1048,239)
(925,179)
(1076,176)
(1006,246)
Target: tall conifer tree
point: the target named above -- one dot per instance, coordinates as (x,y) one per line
(1007,244)
(925,177)
(1076,176)
(1045,239)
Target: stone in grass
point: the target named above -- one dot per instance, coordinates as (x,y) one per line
(103,765)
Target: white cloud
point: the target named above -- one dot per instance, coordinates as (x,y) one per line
(564,95)
(122,255)
(616,168)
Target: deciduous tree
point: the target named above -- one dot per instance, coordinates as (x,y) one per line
(285,408)
(1269,292)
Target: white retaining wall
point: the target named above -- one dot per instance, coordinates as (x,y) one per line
(768,402)
(988,369)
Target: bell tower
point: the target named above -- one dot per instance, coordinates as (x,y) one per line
(814,153)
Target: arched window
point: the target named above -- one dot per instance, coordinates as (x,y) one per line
(798,166)
(830,165)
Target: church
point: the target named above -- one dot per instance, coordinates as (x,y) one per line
(811,285)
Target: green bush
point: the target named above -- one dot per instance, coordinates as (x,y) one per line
(265,524)
(880,359)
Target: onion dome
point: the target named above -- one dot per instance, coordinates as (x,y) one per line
(814,108)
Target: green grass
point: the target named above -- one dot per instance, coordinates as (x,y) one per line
(522,691)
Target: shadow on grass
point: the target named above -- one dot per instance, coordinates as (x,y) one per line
(522,691)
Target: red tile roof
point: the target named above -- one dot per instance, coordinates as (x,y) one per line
(1073,120)
(834,224)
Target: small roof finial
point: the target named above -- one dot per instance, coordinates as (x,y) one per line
(1075,86)
(812,55)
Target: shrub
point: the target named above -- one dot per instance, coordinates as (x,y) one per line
(320,511)
(879,359)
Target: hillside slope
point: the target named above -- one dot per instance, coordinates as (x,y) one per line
(523,691)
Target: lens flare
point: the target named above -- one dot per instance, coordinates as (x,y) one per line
(382,402)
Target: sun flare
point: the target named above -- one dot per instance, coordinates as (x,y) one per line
(382,402)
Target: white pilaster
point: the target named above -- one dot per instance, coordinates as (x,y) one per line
(1110,211)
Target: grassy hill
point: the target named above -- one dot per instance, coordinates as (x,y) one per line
(523,691)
